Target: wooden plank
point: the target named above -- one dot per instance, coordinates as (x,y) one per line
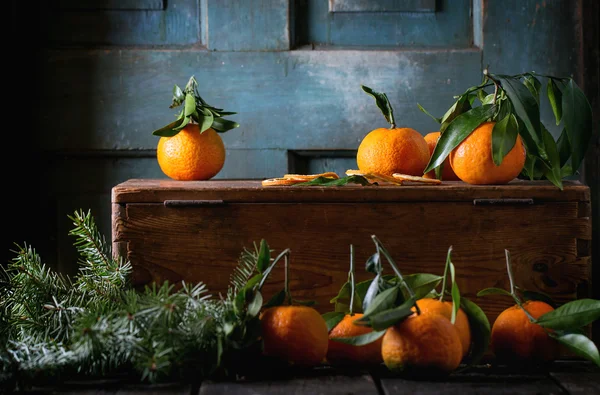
(285,100)
(474,383)
(382,6)
(317,385)
(541,239)
(579,383)
(138,5)
(449,27)
(251,25)
(158,190)
(176,23)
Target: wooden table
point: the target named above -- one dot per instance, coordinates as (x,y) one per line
(563,377)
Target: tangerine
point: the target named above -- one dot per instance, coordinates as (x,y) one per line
(296,334)
(191,155)
(435,306)
(341,353)
(396,150)
(472,159)
(422,343)
(447,172)
(515,338)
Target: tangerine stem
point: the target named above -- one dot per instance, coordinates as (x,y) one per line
(270,268)
(390,260)
(351,279)
(286,284)
(445,273)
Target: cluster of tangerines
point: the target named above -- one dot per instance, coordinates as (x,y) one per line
(191,149)
(427,341)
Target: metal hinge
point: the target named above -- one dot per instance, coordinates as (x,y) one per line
(502,202)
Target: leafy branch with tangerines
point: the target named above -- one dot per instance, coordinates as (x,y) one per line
(529,330)
(514,109)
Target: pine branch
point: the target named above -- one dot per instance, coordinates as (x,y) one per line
(245,269)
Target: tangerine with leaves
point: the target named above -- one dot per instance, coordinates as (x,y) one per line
(340,353)
(296,334)
(190,148)
(394,150)
(447,172)
(444,308)
(516,338)
(422,343)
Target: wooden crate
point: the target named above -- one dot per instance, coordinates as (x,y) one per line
(195,231)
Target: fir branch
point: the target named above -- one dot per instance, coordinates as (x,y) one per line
(245,269)
(99,271)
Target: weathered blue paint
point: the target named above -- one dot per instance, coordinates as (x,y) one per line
(93,5)
(252,25)
(285,100)
(176,24)
(382,5)
(449,26)
(549,48)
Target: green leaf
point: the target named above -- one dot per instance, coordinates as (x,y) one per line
(183,124)
(332,319)
(178,96)
(461,106)
(504,136)
(577,118)
(277,299)
(264,256)
(481,95)
(480,331)
(564,148)
(373,264)
(360,340)
(255,305)
(190,105)
(456,132)
(169,130)
(383,103)
(489,99)
(342,299)
(533,295)
(304,302)
(455,294)
(580,345)
(552,172)
(383,301)
(221,125)
(205,120)
(438,120)
(335,182)
(571,315)
(386,318)
(534,86)
(494,291)
(422,283)
(528,111)
(555,98)
(372,291)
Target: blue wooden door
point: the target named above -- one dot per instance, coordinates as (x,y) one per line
(292,70)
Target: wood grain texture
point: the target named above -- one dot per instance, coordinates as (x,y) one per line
(317,385)
(159,190)
(202,243)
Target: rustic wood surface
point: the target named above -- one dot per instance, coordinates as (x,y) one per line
(563,377)
(195,231)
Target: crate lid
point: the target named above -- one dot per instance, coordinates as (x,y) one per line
(251,191)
